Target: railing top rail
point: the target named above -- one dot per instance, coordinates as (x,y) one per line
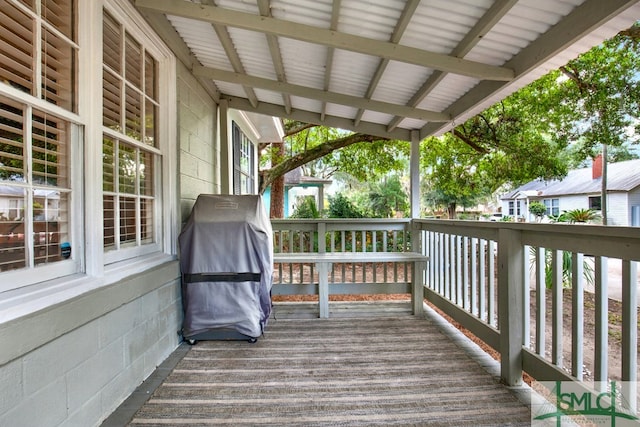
(599,240)
(342,220)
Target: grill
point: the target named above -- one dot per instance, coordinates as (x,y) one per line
(226,259)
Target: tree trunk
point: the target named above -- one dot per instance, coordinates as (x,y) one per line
(277,187)
(451,210)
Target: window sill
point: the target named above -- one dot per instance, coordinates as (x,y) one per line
(31,299)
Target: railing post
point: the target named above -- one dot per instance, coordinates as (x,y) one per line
(510,300)
(322,236)
(417,273)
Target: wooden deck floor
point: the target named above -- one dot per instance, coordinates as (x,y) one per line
(381,367)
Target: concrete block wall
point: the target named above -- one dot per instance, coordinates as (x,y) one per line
(81,372)
(199,153)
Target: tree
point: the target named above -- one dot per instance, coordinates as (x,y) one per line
(590,101)
(537,209)
(387,197)
(307,143)
(323,151)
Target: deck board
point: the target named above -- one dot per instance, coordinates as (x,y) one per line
(393,369)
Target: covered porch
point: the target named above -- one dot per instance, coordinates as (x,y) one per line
(144,104)
(381,362)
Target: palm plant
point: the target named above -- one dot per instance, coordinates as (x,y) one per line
(582,216)
(567,268)
(577,216)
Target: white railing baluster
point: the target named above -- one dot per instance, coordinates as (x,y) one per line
(458,268)
(482,280)
(465,273)
(541,301)
(577,315)
(473,276)
(354,246)
(601,368)
(491,289)
(445,264)
(556,283)
(526,299)
(452,268)
(630,334)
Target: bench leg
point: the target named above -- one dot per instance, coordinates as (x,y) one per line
(323,288)
(417,288)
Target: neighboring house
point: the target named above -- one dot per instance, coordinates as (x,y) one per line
(582,189)
(297,185)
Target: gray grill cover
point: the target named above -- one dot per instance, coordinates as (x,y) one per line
(232,235)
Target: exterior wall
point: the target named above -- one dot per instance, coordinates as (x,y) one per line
(619,210)
(634,200)
(199,151)
(568,203)
(74,363)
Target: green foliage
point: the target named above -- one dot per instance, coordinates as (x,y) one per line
(341,207)
(506,218)
(537,209)
(306,208)
(388,197)
(372,161)
(577,216)
(567,268)
(594,99)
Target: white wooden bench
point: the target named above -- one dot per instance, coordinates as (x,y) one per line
(323,262)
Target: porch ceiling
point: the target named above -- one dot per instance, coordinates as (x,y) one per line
(382,67)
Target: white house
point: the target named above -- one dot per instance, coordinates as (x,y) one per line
(582,189)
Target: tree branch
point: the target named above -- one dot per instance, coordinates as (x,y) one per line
(574,76)
(295,127)
(269,175)
(462,137)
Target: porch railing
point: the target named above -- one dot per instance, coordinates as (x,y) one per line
(339,235)
(520,287)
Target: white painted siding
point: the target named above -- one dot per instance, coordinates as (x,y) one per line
(619,210)
(568,203)
(634,200)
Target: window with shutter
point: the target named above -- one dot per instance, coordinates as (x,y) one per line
(42,66)
(34,186)
(129,149)
(39,51)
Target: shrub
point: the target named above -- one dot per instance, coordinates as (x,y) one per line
(537,209)
(341,207)
(306,208)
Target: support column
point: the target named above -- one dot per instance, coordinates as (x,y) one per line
(226,149)
(510,300)
(414,172)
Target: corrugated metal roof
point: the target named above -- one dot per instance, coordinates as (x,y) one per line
(621,177)
(383,67)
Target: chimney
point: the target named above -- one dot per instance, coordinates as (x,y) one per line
(596,168)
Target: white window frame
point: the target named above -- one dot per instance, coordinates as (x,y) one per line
(88,267)
(551,205)
(16,279)
(243,149)
(165,168)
